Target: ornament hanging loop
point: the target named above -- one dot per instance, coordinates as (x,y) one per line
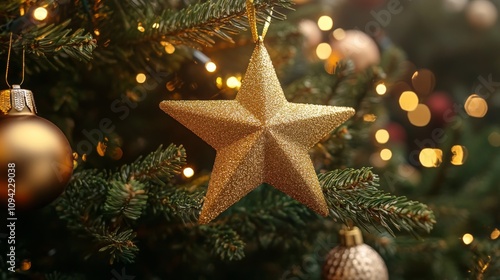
(252,20)
(8,64)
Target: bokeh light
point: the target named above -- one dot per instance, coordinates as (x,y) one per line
(495,234)
(421,116)
(423,81)
(385,154)
(494,139)
(218,82)
(210,66)
(338,34)
(140,78)
(459,155)
(408,100)
(381,89)
(188,172)
(369,117)
(382,136)
(140,27)
(323,51)
(467,238)
(430,157)
(325,23)
(25,265)
(476,106)
(40,13)
(233,82)
(169,48)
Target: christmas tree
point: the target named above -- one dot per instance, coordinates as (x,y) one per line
(400,95)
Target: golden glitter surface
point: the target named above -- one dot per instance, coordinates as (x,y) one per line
(359,262)
(260,138)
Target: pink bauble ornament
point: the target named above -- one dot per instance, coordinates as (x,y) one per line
(356,46)
(481,14)
(311,32)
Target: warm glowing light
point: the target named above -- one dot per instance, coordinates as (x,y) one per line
(381,89)
(101,147)
(369,117)
(430,157)
(476,106)
(421,116)
(97,32)
(495,234)
(323,51)
(40,13)
(459,155)
(156,25)
(218,82)
(408,101)
(116,153)
(25,265)
(210,66)
(325,23)
(140,78)
(382,136)
(467,238)
(140,27)
(169,48)
(338,34)
(494,139)
(233,82)
(385,154)
(188,172)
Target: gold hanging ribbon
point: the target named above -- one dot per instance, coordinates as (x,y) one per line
(252,20)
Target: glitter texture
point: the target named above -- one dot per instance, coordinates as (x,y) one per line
(354,263)
(260,138)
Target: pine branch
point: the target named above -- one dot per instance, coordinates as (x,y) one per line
(159,166)
(271,218)
(198,23)
(52,43)
(118,244)
(126,199)
(176,203)
(83,198)
(223,241)
(352,195)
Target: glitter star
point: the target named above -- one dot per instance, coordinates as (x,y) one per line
(259,137)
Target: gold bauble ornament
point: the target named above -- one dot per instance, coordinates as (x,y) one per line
(36,160)
(354,260)
(259,137)
(356,46)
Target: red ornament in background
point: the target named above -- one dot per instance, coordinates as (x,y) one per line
(397,132)
(441,107)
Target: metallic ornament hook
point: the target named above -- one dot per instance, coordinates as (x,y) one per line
(8,64)
(252,20)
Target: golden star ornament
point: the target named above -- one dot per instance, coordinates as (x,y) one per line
(259,137)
